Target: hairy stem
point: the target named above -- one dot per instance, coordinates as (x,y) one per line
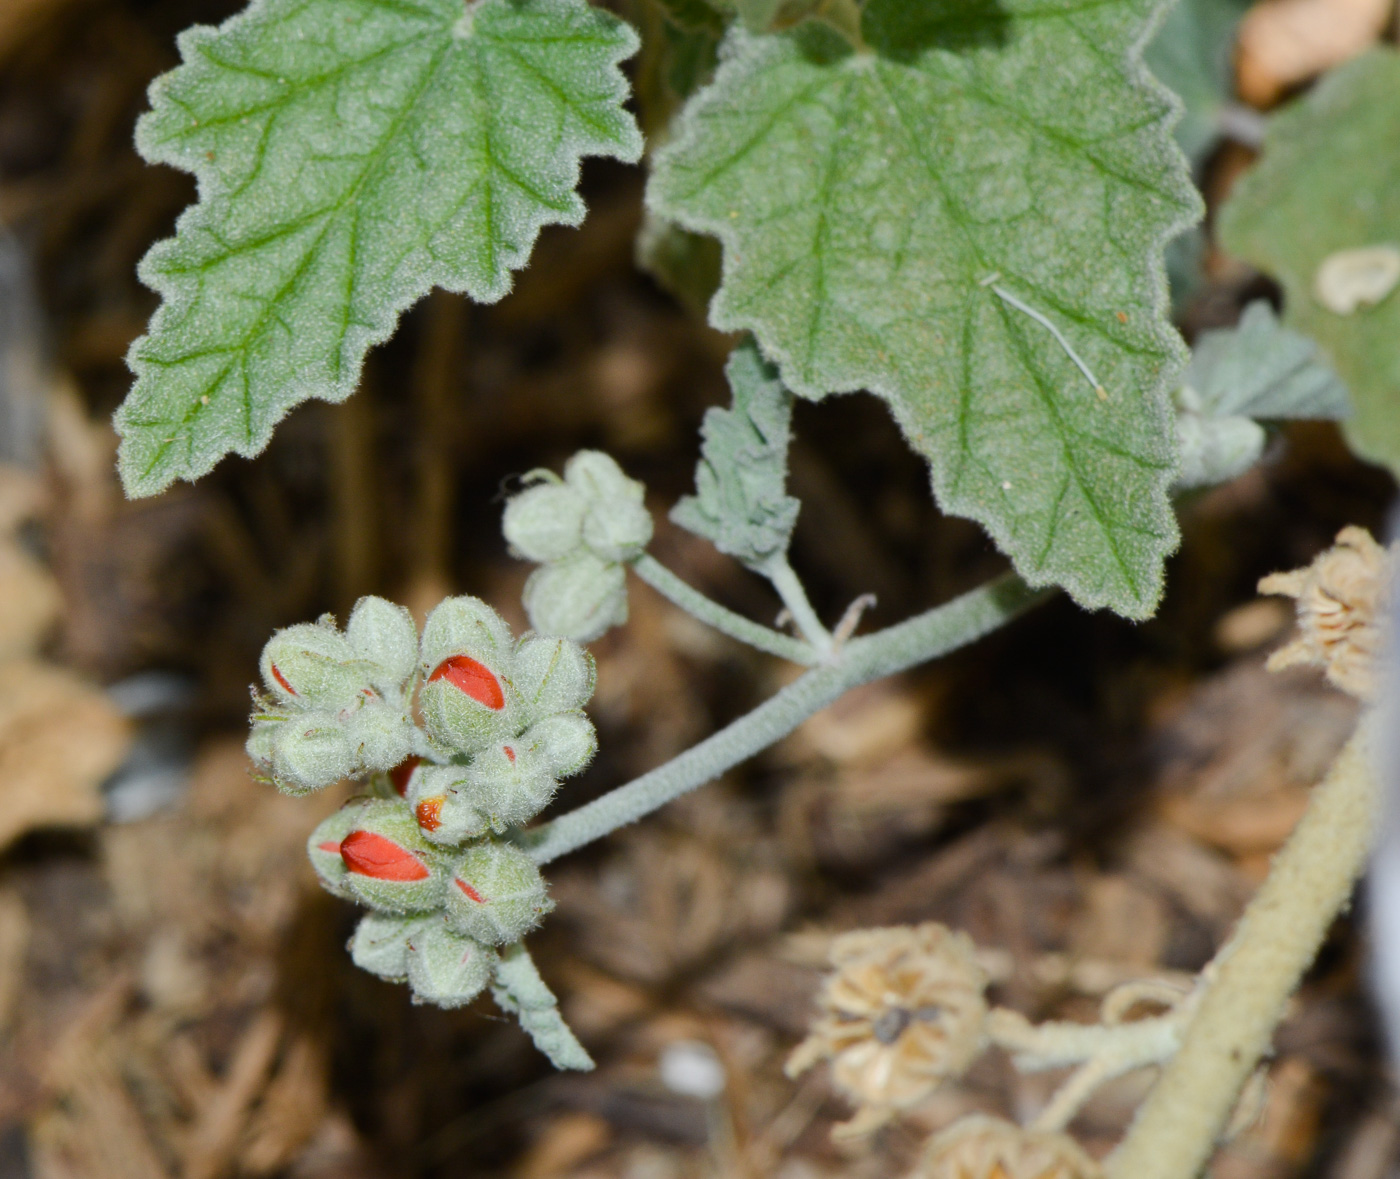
(736,626)
(1252,977)
(871,657)
(789,587)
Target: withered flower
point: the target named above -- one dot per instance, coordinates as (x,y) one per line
(1341,610)
(981,1147)
(902,1013)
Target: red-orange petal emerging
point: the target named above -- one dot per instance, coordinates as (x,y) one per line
(372,855)
(429,813)
(472,894)
(471,678)
(401,773)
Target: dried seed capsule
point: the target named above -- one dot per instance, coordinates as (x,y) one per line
(509,783)
(580,598)
(380,943)
(496,895)
(445,805)
(902,1013)
(312,665)
(446,969)
(545,522)
(389,865)
(384,634)
(323,848)
(310,751)
(564,743)
(551,675)
(981,1147)
(381,736)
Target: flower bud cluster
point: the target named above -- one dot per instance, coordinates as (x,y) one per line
(582,529)
(502,724)
(336,704)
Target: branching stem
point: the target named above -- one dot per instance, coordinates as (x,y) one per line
(870,657)
(789,587)
(1248,984)
(736,626)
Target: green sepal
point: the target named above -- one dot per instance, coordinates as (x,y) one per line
(380,943)
(465,626)
(384,633)
(455,805)
(496,894)
(551,674)
(581,597)
(509,784)
(380,736)
(312,665)
(562,743)
(617,526)
(545,522)
(310,751)
(446,969)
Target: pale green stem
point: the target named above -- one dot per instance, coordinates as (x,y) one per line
(789,587)
(924,637)
(736,626)
(1248,984)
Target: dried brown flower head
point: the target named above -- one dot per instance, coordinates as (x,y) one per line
(980,1147)
(902,1013)
(1341,611)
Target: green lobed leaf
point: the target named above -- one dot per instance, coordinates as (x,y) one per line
(1328,181)
(1191,55)
(864,201)
(1260,369)
(743,507)
(350,155)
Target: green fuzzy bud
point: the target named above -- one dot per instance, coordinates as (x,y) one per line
(261,738)
(579,598)
(384,634)
(509,784)
(617,531)
(380,943)
(563,743)
(551,675)
(464,626)
(310,751)
(446,969)
(312,665)
(323,848)
(618,526)
(445,805)
(463,712)
(545,522)
(380,735)
(496,895)
(389,865)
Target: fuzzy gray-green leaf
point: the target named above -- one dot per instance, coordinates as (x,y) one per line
(871,205)
(743,507)
(350,155)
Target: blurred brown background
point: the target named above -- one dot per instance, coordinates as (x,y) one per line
(1091,800)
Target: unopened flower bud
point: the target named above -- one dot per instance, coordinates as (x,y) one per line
(380,943)
(389,865)
(323,848)
(564,743)
(384,634)
(580,598)
(496,895)
(310,750)
(380,735)
(551,675)
(545,522)
(464,626)
(466,704)
(312,665)
(510,783)
(445,805)
(618,526)
(261,737)
(446,969)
